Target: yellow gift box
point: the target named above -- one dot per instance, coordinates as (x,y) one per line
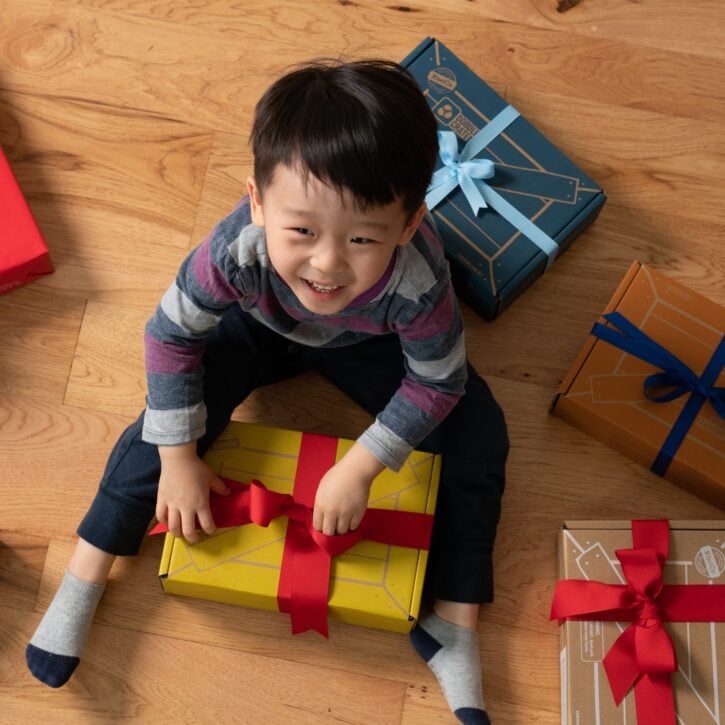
(372,584)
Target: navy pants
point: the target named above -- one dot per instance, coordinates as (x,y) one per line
(241,355)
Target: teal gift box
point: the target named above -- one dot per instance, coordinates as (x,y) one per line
(538,201)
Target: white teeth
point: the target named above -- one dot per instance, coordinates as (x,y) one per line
(320,288)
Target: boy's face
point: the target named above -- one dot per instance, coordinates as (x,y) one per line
(328,252)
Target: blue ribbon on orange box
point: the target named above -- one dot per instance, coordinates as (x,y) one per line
(675,375)
(462,169)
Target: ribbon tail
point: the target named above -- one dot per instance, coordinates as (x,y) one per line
(620,664)
(654,700)
(440,188)
(304,581)
(472,194)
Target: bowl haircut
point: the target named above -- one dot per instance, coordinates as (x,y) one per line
(363,127)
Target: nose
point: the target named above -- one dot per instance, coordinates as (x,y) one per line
(328,257)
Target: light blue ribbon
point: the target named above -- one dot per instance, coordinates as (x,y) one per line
(462,169)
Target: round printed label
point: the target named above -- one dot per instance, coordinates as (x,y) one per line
(442,80)
(710,562)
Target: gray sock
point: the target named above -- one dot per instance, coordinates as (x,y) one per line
(55,648)
(452,653)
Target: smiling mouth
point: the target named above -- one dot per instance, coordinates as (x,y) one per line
(323,289)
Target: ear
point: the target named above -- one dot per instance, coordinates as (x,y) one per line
(412,226)
(255,202)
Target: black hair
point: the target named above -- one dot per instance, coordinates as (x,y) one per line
(362,126)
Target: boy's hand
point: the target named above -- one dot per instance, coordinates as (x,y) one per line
(184,491)
(342,496)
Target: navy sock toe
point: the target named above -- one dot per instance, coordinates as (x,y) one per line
(472,716)
(54,670)
(425,645)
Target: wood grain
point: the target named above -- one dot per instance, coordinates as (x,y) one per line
(114,191)
(41,338)
(127,124)
(182,681)
(108,367)
(52,459)
(22,557)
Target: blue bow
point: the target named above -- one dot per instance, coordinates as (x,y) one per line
(462,169)
(458,170)
(675,374)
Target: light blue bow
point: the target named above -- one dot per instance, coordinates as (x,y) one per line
(462,169)
(458,170)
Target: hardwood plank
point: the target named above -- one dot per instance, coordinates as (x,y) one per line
(230,162)
(69,52)
(125,674)
(108,367)
(22,557)
(117,224)
(136,42)
(666,24)
(53,457)
(39,336)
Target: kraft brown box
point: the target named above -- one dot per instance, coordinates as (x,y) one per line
(697,556)
(603,391)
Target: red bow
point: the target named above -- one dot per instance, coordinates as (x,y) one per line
(643,656)
(305,570)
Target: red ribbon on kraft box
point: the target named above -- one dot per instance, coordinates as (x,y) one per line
(304,580)
(643,656)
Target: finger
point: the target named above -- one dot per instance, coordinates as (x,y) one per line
(355,521)
(329,524)
(206,521)
(174,522)
(317,518)
(343,524)
(161,511)
(218,486)
(188,525)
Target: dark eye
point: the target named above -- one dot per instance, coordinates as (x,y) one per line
(302,230)
(362,240)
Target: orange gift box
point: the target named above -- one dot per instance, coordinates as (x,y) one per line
(23,254)
(604,391)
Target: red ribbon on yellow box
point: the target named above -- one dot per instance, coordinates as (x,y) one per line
(304,580)
(643,656)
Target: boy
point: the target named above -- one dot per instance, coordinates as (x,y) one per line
(331,263)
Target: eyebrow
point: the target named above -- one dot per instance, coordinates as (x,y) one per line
(382,226)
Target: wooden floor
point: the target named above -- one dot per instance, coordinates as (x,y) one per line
(127,122)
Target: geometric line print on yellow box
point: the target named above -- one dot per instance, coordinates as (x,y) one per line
(228,546)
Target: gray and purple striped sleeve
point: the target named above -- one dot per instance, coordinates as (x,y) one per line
(208,282)
(430,329)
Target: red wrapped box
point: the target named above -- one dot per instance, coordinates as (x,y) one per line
(23,254)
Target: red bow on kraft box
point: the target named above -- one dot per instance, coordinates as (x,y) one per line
(305,570)
(643,656)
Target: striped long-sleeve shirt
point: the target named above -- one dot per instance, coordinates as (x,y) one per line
(414,300)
